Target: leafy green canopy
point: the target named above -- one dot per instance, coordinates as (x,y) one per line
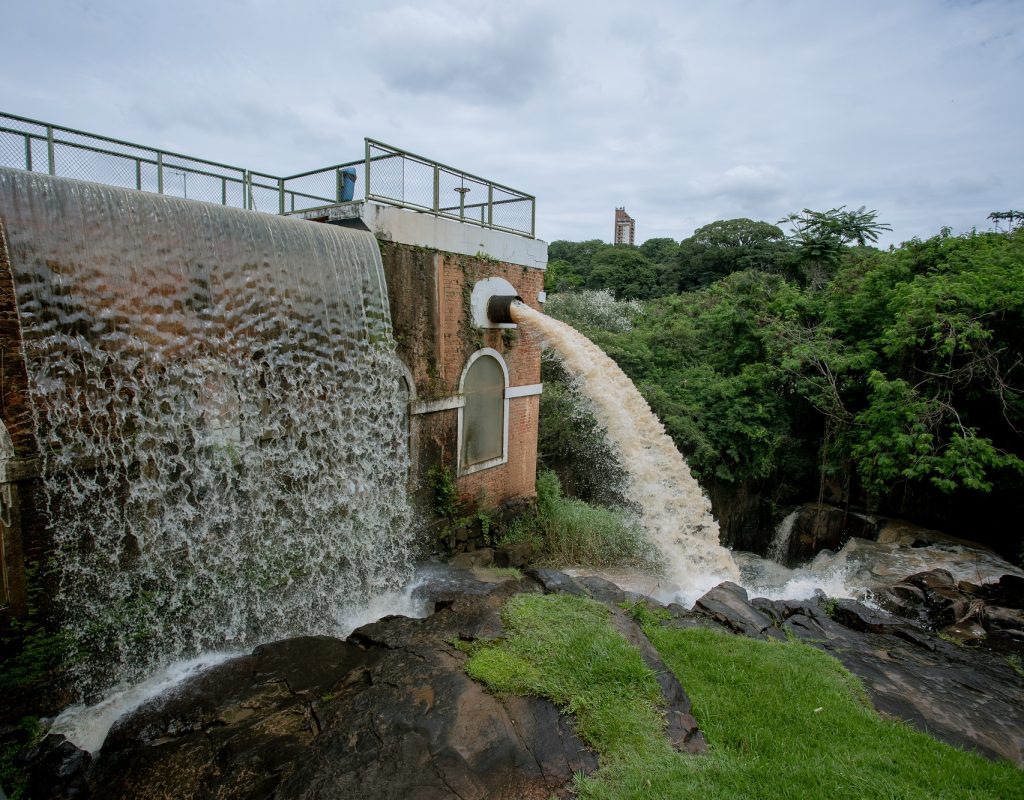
(898,375)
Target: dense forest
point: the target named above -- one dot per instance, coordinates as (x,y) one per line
(801,362)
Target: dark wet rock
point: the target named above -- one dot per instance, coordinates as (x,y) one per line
(818,527)
(1010,620)
(971,698)
(604,591)
(481,557)
(440,585)
(991,613)
(56,769)
(389,712)
(728,605)
(516,555)
(555,582)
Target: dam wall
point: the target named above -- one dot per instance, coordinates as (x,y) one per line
(468,390)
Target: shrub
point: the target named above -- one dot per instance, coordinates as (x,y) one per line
(594,309)
(567,531)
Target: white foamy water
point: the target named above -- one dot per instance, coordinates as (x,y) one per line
(220,426)
(674,510)
(87,726)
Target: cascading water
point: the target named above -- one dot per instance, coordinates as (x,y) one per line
(674,510)
(218,411)
(783,533)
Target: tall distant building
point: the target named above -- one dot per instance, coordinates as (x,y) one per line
(625,227)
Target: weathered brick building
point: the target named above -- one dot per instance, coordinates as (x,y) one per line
(439,274)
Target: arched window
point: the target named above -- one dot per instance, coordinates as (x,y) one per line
(483,430)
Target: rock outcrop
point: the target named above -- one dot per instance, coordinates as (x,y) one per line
(390,712)
(387,713)
(967,697)
(818,527)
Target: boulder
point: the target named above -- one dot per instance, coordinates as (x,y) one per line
(965,611)
(818,527)
(555,582)
(387,713)
(728,605)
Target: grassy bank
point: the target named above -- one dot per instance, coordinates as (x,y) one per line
(566,531)
(783,720)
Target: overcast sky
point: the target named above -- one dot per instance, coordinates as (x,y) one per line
(683,112)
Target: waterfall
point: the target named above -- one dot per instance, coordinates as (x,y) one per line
(779,546)
(674,510)
(217,404)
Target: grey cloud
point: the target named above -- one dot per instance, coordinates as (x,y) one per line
(671,109)
(491,58)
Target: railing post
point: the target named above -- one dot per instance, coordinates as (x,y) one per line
(533,217)
(462,201)
(223,191)
(50,156)
(159,172)
(246,189)
(490,204)
(138,174)
(28,152)
(437,188)
(366,169)
(339,181)
(280,196)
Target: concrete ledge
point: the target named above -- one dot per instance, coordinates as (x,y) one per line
(421,229)
(527,390)
(431,406)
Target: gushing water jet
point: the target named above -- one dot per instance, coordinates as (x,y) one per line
(674,510)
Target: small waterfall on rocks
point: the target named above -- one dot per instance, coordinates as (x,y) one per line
(783,533)
(219,421)
(674,510)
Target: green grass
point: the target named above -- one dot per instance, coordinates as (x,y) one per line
(566,531)
(783,720)
(12,779)
(562,647)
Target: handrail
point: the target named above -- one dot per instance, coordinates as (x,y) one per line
(391,176)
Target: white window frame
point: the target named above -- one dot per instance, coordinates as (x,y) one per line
(503,458)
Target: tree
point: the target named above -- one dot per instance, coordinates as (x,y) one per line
(727,246)
(1014,220)
(660,250)
(625,271)
(821,237)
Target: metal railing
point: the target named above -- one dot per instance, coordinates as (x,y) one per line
(389,175)
(400,178)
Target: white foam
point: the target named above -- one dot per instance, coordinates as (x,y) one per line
(87,726)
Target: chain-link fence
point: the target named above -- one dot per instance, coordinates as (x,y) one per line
(387,175)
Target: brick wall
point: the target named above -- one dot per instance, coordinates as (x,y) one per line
(14,400)
(429,294)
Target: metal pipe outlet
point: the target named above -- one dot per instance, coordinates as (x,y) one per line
(499,307)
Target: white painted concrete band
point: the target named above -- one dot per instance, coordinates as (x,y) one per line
(527,390)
